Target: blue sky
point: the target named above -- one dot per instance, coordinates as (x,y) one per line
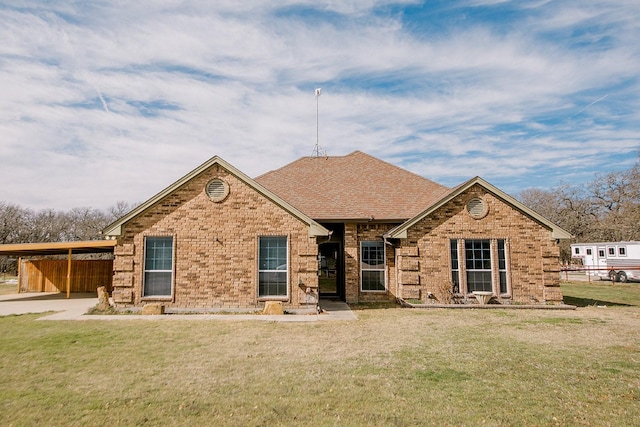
(106,101)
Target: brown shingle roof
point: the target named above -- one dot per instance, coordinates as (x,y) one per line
(355,186)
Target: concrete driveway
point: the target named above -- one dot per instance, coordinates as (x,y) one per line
(42,302)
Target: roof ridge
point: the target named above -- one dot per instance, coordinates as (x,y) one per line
(303,158)
(400,169)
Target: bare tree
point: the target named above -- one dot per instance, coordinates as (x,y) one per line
(606,209)
(119,210)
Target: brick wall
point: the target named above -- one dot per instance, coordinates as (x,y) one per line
(216,247)
(532,257)
(354,233)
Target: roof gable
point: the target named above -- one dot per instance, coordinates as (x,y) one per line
(556,231)
(315,229)
(355,186)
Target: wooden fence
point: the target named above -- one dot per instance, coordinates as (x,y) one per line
(51,275)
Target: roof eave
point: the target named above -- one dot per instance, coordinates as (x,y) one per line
(315,229)
(556,232)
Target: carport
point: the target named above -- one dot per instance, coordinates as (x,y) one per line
(57,248)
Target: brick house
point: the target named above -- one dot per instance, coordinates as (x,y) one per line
(350,227)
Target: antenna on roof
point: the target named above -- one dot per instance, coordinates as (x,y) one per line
(317,150)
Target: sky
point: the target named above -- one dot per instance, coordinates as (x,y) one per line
(109,101)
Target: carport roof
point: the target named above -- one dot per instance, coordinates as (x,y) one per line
(57,248)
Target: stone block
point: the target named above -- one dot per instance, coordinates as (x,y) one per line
(122,295)
(409,278)
(153,309)
(126,249)
(273,307)
(103,298)
(409,263)
(123,264)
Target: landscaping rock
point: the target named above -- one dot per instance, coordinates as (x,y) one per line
(153,309)
(273,307)
(103,299)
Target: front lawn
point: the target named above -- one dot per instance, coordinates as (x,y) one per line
(392,366)
(601,293)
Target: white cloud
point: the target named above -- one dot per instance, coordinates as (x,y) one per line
(112,101)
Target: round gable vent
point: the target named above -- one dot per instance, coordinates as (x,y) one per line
(477,208)
(217,190)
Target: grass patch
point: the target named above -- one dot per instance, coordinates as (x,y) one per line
(8,285)
(585,294)
(393,366)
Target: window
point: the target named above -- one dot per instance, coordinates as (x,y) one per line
(612,251)
(577,251)
(372,266)
(455,266)
(601,253)
(478,263)
(502,266)
(622,251)
(588,251)
(158,266)
(272,267)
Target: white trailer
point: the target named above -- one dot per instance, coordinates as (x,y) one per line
(619,261)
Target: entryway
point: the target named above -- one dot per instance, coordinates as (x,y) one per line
(331,264)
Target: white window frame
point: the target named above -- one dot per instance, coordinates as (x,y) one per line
(145,270)
(282,297)
(462,270)
(382,269)
(490,270)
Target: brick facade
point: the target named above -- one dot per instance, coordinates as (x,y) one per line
(354,234)
(215,247)
(532,256)
(215,242)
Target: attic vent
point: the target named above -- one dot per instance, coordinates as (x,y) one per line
(477,208)
(217,190)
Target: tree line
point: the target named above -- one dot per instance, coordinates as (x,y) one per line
(606,209)
(22,225)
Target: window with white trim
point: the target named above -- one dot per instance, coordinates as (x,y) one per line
(158,266)
(622,251)
(478,263)
(372,266)
(273,266)
(455,266)
(502,266)
(481,266)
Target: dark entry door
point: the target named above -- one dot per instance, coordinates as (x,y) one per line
(331,271)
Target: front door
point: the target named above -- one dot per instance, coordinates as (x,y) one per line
(331,272)
(331,263)
(328,261)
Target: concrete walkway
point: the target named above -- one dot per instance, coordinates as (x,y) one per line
(79,303)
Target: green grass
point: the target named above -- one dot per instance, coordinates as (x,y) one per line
(7,288)
(584,294)
(392,366)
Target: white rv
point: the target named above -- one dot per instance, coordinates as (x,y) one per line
(619,261)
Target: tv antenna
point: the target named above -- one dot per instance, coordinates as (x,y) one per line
(317,150)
